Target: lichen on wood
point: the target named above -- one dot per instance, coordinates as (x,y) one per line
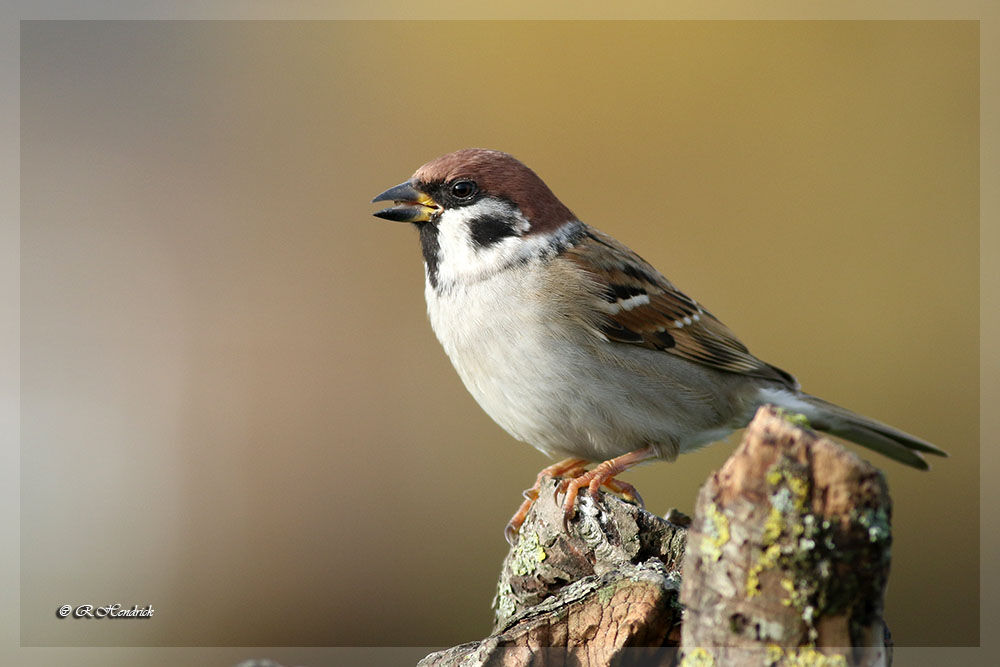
(786,564)
(803,573)
(603,592)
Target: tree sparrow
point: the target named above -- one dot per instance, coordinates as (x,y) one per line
(574,344)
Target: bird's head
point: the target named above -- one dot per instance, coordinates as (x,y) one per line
(475,209)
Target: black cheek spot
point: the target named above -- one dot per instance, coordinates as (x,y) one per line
(430,248)
(489,229)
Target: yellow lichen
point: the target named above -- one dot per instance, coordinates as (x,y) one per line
(698,657)
(717,530)
(808,656)
(799,487)
(789,586)
(768,559)
(753,581)
(788,500)
(773,526)
(805,656)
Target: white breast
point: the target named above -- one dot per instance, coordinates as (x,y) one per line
(514,358)
(521,334)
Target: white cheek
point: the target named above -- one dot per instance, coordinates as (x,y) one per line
(454,242)
(462,259)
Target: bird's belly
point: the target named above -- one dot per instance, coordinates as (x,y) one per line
(551,382)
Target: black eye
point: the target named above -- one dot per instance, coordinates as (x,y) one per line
(463,189)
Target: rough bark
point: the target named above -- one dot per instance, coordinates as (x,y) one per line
(604,592)
(788,554)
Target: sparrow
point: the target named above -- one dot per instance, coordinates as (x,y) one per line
(574,344)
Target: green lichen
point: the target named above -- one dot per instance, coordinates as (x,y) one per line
(504,600)
(796,418)
(524,560)
(527,555)
(698,657)
(716,533)
(877,523)
(606,593)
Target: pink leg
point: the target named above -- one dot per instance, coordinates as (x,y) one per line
(603,475)
(573,467)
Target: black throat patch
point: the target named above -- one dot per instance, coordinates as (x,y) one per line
(430,247)
(490,228)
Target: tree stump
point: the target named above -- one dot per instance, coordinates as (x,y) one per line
(786,564)
(788,555)
(604,592)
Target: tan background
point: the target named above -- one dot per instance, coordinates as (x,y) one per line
(233,407)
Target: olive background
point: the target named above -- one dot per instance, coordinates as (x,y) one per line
(233,407)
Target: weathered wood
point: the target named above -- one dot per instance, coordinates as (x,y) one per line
(788,555)
(604,592)
(602,537)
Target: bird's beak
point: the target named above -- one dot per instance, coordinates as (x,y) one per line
(411,204)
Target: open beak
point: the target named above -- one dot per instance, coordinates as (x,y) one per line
(411,204)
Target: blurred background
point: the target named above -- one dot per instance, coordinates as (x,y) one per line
(233,407)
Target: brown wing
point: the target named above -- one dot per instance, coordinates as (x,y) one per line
(643,308)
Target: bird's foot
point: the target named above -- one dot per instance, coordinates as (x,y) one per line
(571,467)
(577,477)
(603,475)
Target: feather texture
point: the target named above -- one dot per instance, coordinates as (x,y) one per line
(642,307)
(571,341)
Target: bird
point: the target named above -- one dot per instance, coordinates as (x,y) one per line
(574,344)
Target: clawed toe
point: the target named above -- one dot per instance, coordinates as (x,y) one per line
(626,491)
(604,475)
(577,478)
(568,466)
(511,530)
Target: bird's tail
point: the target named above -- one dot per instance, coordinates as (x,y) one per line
(838,421)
